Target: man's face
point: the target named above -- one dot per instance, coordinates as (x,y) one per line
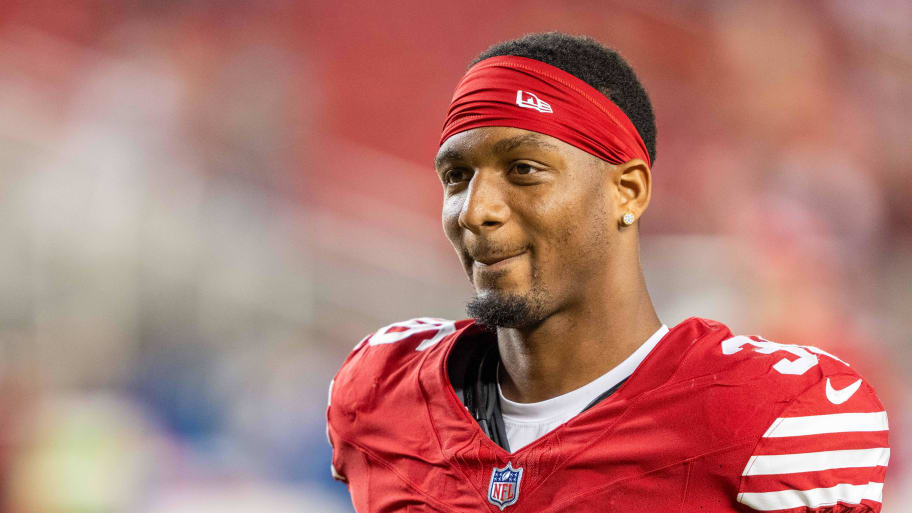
(532,219)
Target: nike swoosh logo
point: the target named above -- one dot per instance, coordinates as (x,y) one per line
(843,395)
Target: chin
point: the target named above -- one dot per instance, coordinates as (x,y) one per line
(505,309)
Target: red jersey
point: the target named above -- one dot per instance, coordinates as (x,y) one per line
(707,422)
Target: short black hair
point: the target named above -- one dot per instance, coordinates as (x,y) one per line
(590,61)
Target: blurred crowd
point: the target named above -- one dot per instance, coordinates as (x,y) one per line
(204,205)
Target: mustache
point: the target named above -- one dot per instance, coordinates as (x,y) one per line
(484,249)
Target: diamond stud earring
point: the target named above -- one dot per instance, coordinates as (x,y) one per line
(628,219)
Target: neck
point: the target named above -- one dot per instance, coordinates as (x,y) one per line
(577,344)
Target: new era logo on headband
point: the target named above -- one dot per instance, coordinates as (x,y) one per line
(530,101)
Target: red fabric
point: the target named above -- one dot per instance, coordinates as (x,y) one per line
(490,92)
(677,436)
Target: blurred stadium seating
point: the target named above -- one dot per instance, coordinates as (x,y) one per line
(204,205)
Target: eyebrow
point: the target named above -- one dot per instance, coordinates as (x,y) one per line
(447,155)
(505,145)
(501,146)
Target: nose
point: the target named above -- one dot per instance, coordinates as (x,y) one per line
(484,207)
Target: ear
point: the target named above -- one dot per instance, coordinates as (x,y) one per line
(633,180)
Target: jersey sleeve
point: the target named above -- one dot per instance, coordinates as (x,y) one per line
(826,452)
(376,358)
(329,438)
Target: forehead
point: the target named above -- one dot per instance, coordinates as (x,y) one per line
(495,141)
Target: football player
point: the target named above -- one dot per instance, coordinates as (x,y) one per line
(565,392)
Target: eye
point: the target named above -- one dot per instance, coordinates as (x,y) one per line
(523,168)
(456,175)
(526,172)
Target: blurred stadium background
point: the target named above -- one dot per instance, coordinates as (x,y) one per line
(205,204)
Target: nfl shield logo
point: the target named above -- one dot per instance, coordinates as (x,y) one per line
(504,488)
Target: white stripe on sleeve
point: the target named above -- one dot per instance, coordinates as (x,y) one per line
(823,424)
(787,499)
(766,465)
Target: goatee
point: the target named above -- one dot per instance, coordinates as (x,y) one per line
(496,309)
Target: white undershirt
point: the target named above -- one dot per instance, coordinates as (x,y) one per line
(527,422)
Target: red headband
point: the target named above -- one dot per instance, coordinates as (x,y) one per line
(529,94)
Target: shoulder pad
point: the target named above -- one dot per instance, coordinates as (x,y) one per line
(380,375)
(388,353)
(739,359)
(827,447)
